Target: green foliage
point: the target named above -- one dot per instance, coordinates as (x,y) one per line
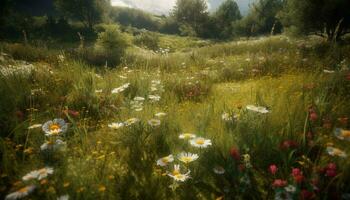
(135,18)
(329,19)
(148,40)
(110,46)
(89,12)
(261,19)
(225,16)
(192,14)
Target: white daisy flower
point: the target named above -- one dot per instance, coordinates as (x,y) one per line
(139,99)
(55,127)
(177,175)
(154,97)
(116,126)
(200,142)
(35,126)
(21,193)
(38,174)
(63,197)
(165,160)
(219,170)
(226,116)
(153,88)
(160,114)
(290,188)
(187,136)
(336,152)
(157,82)
(342,134)
(120,89)
(187,157)
(57,145)
(154,122)
(258,109)
(131,121)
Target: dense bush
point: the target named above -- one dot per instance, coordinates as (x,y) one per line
(109,48)
(147,39)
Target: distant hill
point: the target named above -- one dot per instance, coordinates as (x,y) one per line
(164,6)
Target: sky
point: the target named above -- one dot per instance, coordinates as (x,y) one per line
(164,6)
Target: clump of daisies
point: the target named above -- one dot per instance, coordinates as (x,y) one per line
(185,158)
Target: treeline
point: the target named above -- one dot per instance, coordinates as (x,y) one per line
(64,18)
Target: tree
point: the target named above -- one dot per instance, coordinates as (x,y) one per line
(227,13)
(191,13)
(262,18)
(89,12)
(326,18)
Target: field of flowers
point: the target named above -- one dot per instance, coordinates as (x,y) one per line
(260,119)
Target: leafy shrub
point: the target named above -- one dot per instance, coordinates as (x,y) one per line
(109,47)
(148,40)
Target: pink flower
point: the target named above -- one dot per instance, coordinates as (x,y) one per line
(313,116)
(279,183)
(296,171)
(273,169)
(288,144)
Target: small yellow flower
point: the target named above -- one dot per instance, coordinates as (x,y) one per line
(101,188)
(81,189)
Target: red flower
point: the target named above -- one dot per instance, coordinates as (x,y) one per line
(331,170)
(332,166)
(235,153)
(313,116)
(305,194)
(331,173)
(297,175)
(343,120)
(72,113)
(288,144)
(347,77)
(273,169)
(296,171)
(19,114)
(279,183)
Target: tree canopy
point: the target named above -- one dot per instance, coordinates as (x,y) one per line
(327,18)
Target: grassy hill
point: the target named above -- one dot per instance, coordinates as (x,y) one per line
(275,110)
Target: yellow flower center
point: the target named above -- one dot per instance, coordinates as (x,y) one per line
(186,159)
(165,159)
(23,190)
(176,172)
(179,176)
(345,134)
(54,127)
(200,141)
